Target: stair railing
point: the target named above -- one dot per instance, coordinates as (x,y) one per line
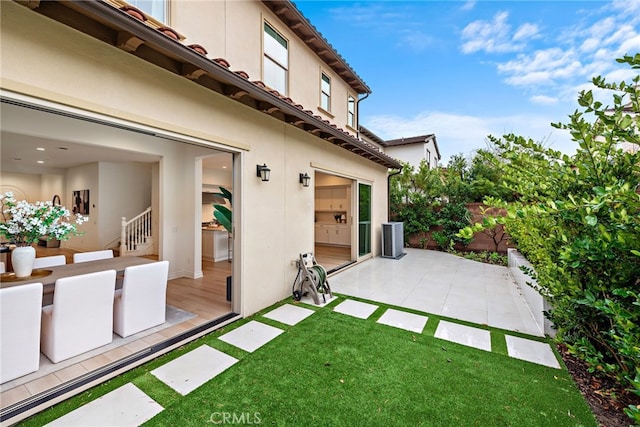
(135,231)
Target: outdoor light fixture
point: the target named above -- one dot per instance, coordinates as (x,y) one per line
(305,179)
(263,172)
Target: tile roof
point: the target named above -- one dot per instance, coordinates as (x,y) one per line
(129,31)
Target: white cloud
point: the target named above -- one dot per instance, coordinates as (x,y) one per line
(495,36)
(465,133)
(416,40)
(468,5)
(543,100)
(542,67)
(526,31)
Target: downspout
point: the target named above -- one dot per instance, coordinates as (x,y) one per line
(389,193)
(366,95)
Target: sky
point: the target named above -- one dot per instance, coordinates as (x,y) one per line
(463,70)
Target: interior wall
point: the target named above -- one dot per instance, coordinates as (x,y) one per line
(52,185)
(125,191)
(85,177)
(23,186)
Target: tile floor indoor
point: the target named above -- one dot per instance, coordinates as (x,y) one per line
(490,288)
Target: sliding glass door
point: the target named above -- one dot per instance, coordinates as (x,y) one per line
(364,219)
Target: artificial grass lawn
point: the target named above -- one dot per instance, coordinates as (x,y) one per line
(333,369)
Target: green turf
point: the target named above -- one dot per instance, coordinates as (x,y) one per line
(333,369)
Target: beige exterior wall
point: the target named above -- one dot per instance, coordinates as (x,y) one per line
(274,220)
(233,30)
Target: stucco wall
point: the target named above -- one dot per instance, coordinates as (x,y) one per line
(275,219)
(234,30)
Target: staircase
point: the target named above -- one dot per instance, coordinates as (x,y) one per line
(136,235)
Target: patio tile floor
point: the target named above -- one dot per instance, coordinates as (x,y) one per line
(251,336)
(465,335)
(441,284)
(531,351)
(403,320)
(192,369)
(289,314)
(358,309)
(124,406)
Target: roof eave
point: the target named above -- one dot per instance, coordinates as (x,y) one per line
(186,62)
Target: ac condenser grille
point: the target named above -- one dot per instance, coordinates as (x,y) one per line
(392,240)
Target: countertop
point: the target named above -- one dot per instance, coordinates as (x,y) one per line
(213,228)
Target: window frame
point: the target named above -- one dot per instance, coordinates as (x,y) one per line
(266,56)
(324,94)
(164,6)
(351,114)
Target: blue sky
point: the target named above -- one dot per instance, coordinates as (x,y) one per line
(466,69)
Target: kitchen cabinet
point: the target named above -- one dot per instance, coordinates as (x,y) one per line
(332,199)
(329,234)
(215,245)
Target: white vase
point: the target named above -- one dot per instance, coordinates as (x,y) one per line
(22,259)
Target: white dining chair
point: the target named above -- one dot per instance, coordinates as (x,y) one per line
(141,303)
(49,261)
(20,311)
(92,256)
(81,317)
(2,268)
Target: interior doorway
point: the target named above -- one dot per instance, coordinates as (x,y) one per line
(334,220)
(217,224)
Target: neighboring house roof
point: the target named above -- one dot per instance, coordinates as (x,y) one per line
(421,139)
(111,25)
(372,136)
(295,20)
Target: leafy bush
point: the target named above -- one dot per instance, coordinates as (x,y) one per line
(452,217)
(577,219)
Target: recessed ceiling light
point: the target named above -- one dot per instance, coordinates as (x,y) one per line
(40,161)
(40,149)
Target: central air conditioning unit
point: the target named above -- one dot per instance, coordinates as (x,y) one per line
(392,240)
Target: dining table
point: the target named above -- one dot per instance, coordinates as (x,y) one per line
(49,275)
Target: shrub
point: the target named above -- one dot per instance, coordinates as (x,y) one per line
(577,219)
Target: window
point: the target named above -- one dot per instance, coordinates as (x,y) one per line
(276,60)
(428,158)
(351,112)
(325,93)
(156,8)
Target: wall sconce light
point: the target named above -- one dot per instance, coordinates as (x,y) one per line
(263,172)
(305,179)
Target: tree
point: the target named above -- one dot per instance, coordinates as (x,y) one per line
(577,219)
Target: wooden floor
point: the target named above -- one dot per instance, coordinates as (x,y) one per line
(332,257)
(204,297)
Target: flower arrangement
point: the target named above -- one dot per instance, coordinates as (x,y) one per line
(23,223)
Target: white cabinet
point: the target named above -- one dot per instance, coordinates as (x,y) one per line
(331,199)
(339,234)
(215,245)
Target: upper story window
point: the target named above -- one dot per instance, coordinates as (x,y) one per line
(276,59)
(427,157)
(325,92)
(351,112)
(155,8)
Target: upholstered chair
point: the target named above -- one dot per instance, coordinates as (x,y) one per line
(92,256)
(81,317)
(20,311)
(49,261)
(141,303)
